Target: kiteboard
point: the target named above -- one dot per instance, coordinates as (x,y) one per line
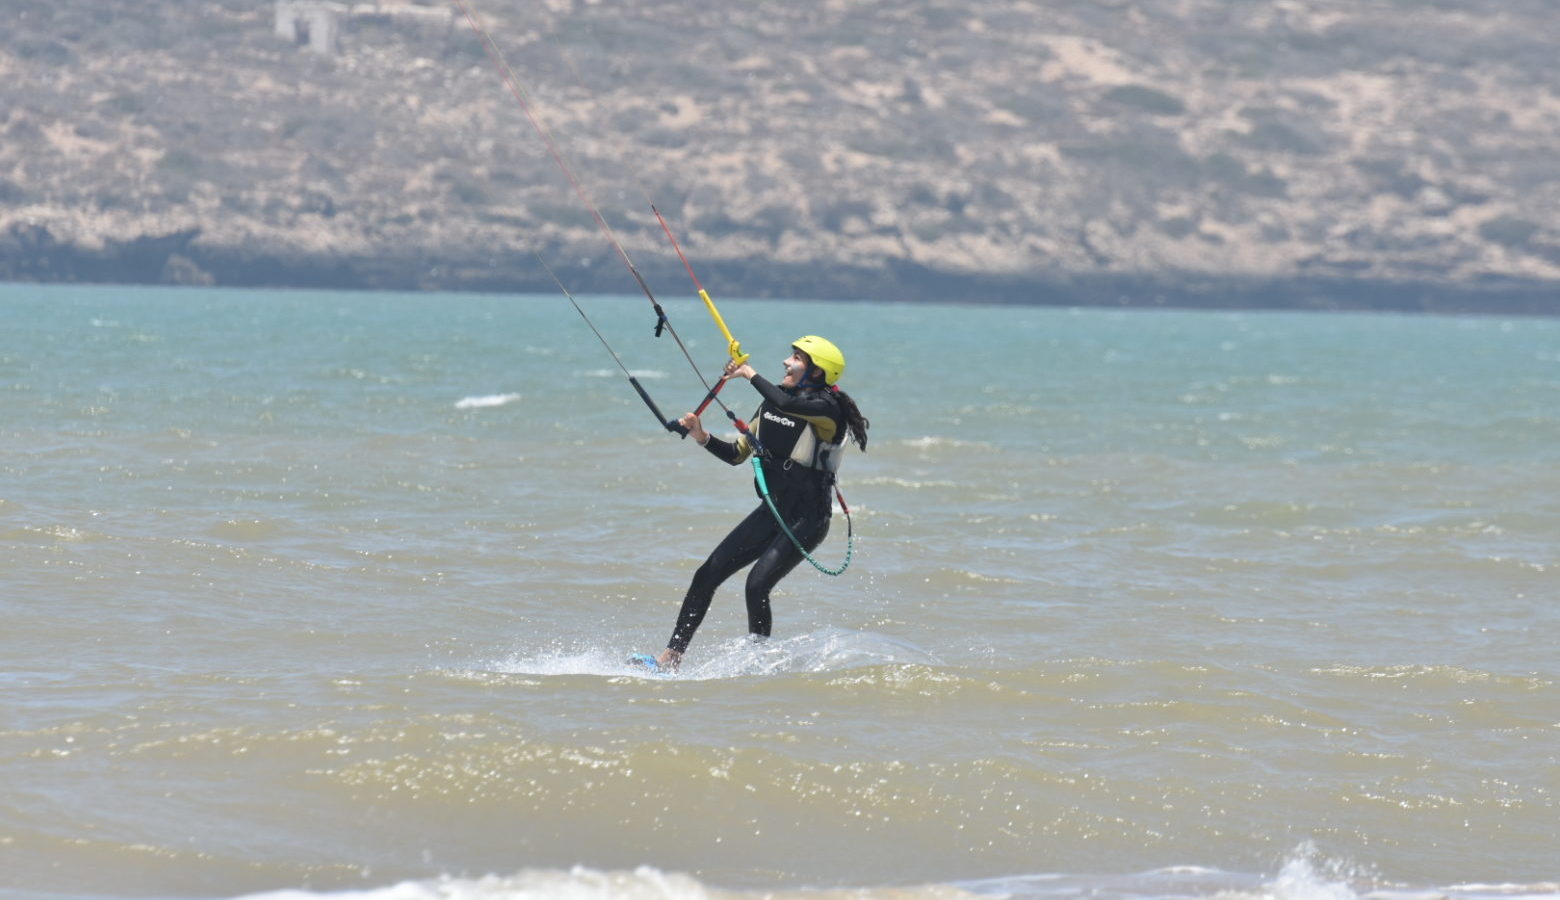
(646,664)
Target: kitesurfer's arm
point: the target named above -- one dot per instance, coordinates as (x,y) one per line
(806,403)
(726,451)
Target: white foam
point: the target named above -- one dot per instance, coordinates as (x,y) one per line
(1299,879)
(1549,890)
(579,883)
(929,441)
(596,661)
(486,401)
(646,374)
(825,650)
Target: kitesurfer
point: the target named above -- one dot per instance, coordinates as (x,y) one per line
(801,426)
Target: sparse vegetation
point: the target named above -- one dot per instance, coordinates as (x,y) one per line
(1210,136)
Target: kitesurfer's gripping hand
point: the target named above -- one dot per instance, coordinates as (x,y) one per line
(695,428)
(736,369)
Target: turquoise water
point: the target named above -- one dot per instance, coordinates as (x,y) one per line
(328,591)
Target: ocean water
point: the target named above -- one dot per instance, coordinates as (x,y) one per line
(321,594)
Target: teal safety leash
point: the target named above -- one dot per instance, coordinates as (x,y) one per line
(850,535)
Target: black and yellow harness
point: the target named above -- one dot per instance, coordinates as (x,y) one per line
(794,430)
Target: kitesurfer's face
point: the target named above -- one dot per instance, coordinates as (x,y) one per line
(795,368)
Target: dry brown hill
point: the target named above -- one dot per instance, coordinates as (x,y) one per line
(1387,153)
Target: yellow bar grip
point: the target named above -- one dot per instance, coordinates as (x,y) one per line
(734,345)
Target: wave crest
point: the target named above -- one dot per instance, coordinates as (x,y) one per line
(486,401)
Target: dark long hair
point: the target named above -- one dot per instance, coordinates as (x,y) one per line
(856,424)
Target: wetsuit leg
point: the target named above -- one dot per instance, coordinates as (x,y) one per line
(742,546)
(776,561)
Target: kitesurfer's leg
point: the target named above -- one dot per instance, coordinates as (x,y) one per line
(736,551)
(774,563)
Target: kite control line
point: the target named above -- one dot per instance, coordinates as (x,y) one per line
(662,323)
(733,346)
(850,531)
(669,424)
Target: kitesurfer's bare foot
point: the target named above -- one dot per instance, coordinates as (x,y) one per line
(669,659)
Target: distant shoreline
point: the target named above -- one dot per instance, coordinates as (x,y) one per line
(1097,154)
(172,260)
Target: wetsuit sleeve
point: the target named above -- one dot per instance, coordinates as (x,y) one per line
(810,403)
(729,452)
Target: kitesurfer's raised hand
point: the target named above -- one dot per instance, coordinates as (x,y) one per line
(742,370)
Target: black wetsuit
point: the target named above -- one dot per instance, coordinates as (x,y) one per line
(802,431)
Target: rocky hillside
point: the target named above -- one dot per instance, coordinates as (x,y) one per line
(1384,153)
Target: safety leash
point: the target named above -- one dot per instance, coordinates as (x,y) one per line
(850,532)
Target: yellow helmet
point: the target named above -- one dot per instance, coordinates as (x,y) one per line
(824,355)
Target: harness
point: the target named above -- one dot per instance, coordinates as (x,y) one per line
(814,454)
